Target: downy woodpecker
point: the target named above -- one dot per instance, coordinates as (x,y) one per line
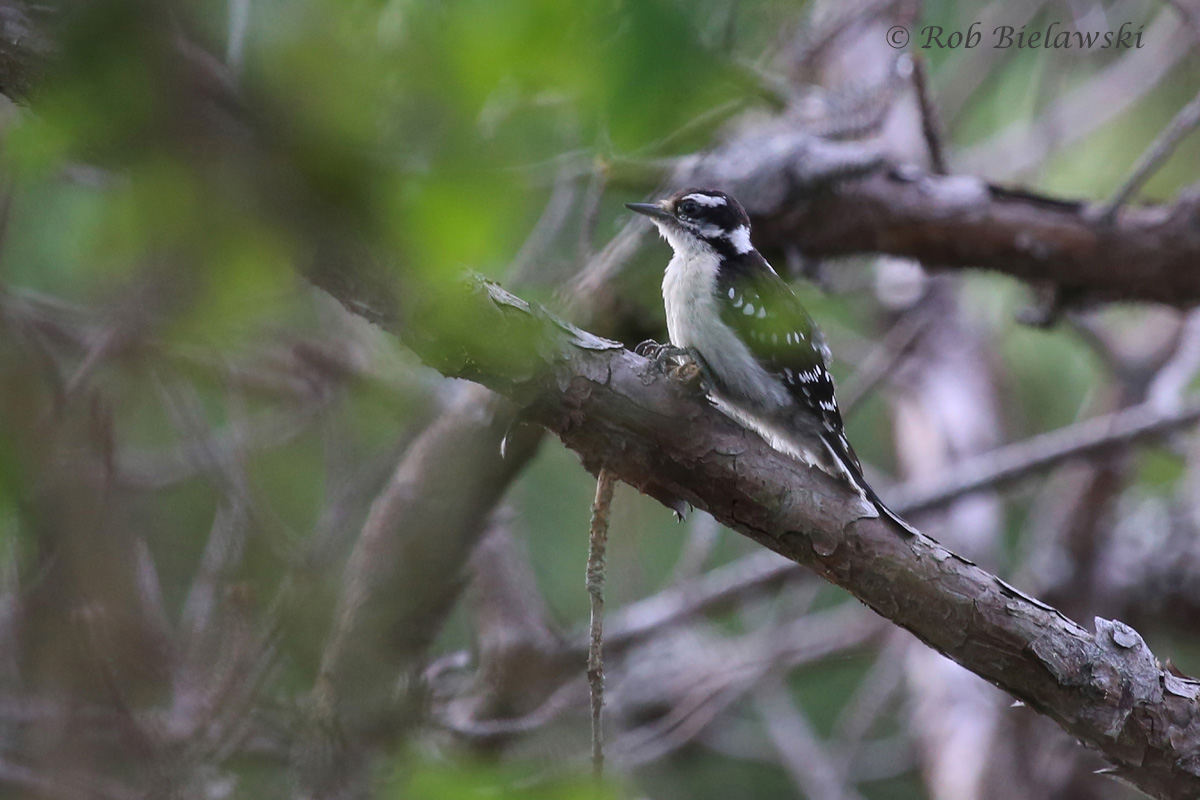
(763,358)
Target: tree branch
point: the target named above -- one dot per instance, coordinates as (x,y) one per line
(1156,154)
(615,409)
(1021,459)
(962,222)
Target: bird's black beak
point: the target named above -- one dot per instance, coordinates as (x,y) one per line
(651,210)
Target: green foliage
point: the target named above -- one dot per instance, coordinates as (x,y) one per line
(463,781)
(1159,470)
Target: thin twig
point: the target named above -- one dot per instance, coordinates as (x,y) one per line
(143,470)
(595,282)
(700,126)
(801,753)
(718,588)
(1190,17)
(563,698)
(1167,388)
(964,74)
(529,264)
(40,784)
(239,21)
(1158,152)
(930,125)
(590,213)
(729,33)
(871,698)
(703,534)
(597,542)
(1024,143)
(222,553)
(106,341)
(150,595)
(714,687)
(1049,450)
(883,359)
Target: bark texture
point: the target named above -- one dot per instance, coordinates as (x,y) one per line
(657,433)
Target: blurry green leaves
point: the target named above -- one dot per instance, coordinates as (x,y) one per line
(211,265)
(629,70)
(110,91)
(659,74)
(1160,470)
(421,131)
(459,782)
(35,147)
(457,101)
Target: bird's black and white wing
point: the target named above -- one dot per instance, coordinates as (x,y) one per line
(768,317)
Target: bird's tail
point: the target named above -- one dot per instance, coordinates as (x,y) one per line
(841,451)
(841,461)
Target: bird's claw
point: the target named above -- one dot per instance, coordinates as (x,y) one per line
(678,362)
(650,349)
(666,357)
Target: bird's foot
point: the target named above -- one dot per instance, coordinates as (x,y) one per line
(664,356)
(653,350)
(681,363)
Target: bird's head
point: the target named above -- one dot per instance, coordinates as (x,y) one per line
(693,219)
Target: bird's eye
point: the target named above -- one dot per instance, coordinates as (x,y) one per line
(689,208)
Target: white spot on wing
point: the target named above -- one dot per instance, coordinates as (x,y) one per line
(749,309)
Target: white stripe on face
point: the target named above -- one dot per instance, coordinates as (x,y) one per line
(739,237)
(706,231)
(706,200)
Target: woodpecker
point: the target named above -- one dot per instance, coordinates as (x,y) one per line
(764,360)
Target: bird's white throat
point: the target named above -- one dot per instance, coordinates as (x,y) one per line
(694,321)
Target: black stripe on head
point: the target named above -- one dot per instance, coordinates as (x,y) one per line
(715,217)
